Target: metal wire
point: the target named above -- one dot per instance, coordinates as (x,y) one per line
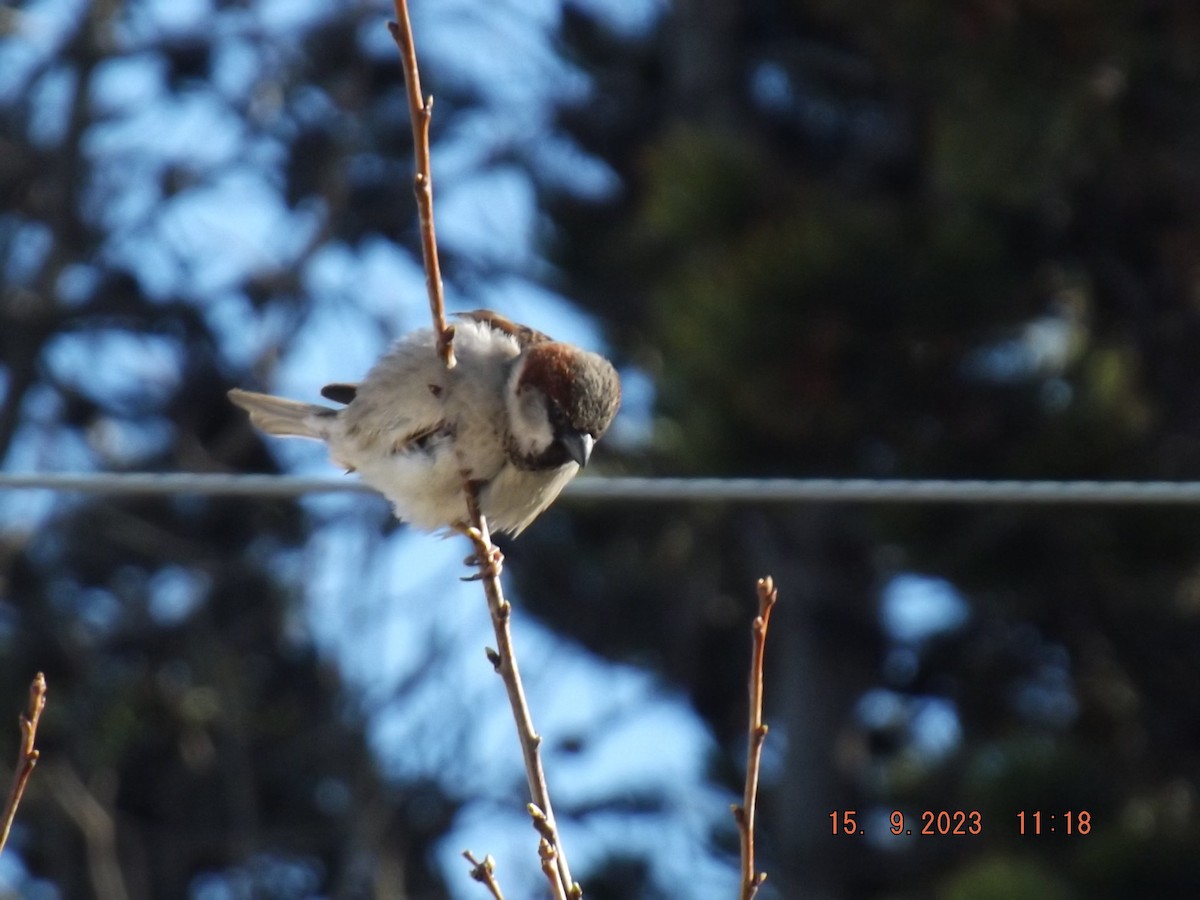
(644,490)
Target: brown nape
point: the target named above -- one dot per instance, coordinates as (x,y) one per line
(551,368)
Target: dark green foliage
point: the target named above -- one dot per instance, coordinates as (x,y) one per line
(843,226)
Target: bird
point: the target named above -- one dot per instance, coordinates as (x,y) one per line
(513,421)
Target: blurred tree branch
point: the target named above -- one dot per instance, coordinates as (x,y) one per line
(95,820)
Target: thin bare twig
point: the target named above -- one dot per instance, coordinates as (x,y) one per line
(745,812)
(504,659)
(484,872)
(27,754)
(421,111)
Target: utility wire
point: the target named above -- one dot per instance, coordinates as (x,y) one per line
(634,490)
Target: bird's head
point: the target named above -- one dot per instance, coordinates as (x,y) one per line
(560,401)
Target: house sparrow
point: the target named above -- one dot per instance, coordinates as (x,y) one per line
(517,416)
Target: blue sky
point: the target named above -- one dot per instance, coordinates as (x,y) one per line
(375,603)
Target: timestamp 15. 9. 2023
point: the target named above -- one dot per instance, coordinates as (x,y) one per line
(965,822)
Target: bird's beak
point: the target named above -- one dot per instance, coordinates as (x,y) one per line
(579,446)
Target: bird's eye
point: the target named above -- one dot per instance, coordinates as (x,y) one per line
(559,419)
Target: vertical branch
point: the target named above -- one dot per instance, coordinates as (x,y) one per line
(745,813)
(27,754)
(487,555)
(421,111)
(504,659)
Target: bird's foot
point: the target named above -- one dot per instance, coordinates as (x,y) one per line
(487,556)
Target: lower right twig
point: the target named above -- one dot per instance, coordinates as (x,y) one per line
(27,754)
(744,813)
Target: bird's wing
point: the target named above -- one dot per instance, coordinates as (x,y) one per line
(399,406)
(525,336)
(421,438)
(340,392)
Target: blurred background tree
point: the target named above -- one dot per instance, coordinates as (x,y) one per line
(904,240)
(838,239)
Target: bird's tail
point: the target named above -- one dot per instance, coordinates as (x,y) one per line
(275,415)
